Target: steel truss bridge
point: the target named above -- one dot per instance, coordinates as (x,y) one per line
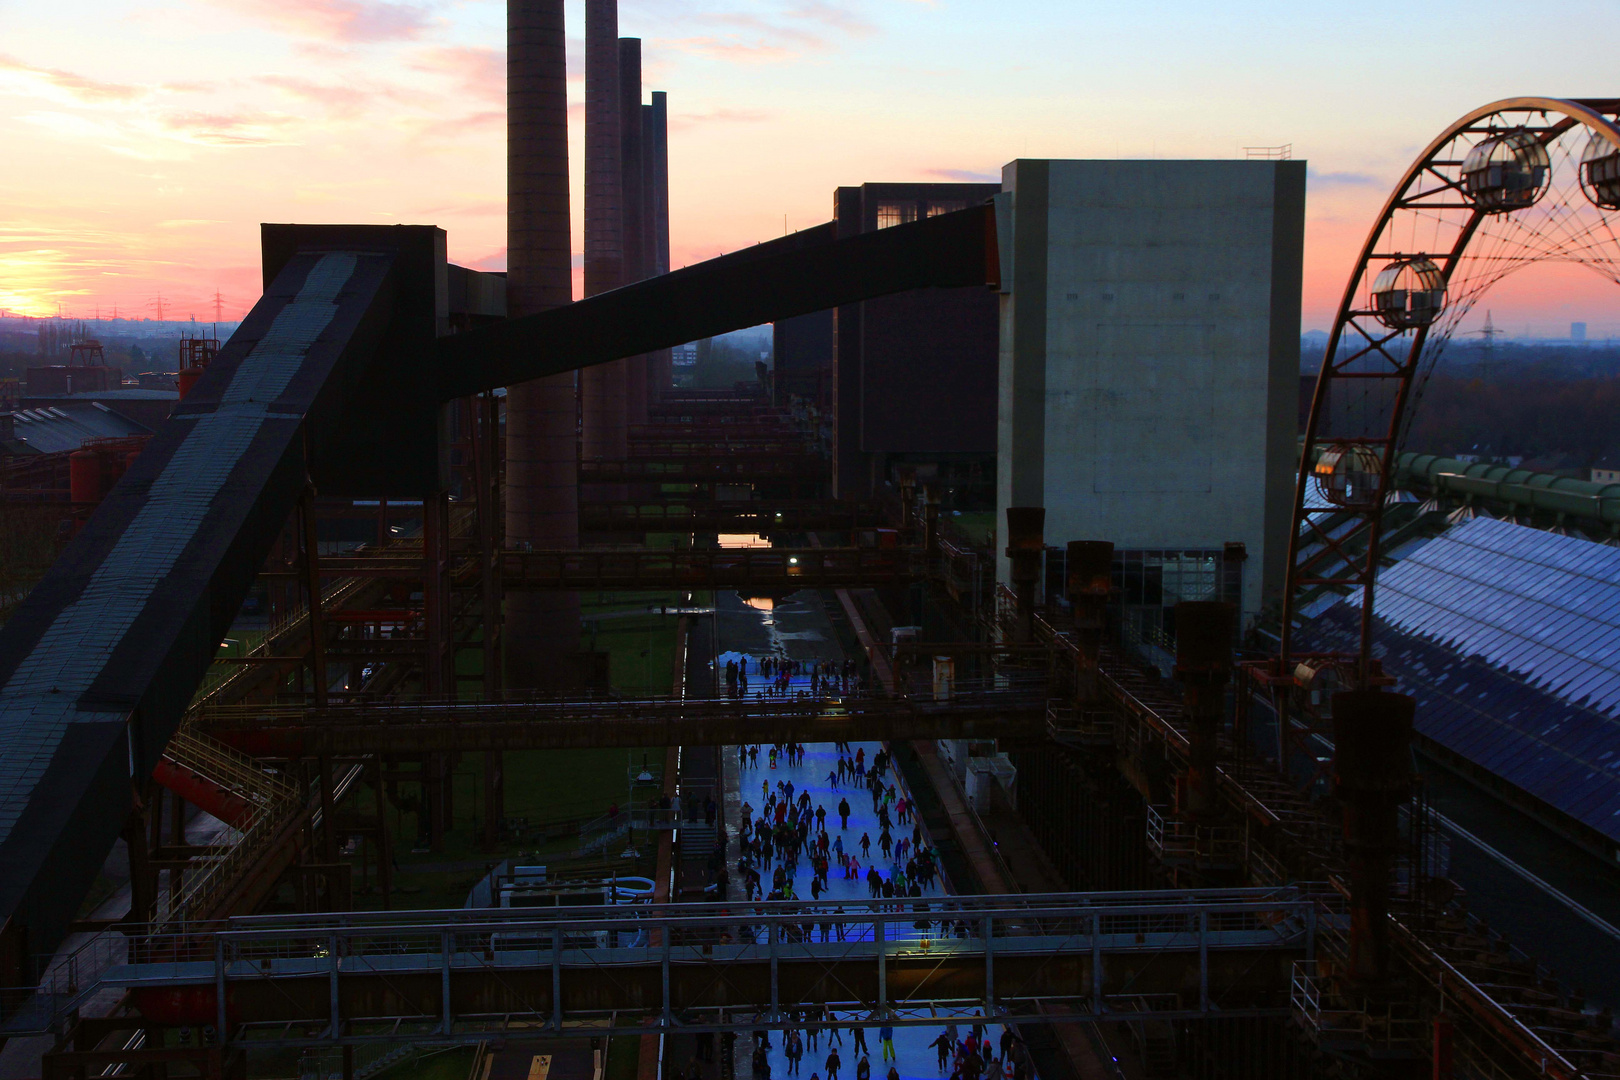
(466,975)
(426,726)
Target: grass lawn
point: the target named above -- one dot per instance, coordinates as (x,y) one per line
(978,525)
(552,789)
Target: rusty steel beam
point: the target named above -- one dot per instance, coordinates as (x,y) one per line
(707,448)
(343,731)
(771,569)
(731,517)
(723,468)
(745,428)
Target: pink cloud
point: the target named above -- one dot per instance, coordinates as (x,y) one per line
(965,176)
(347,101)
(480,72)
(495,260)
(74,85)
(470,124)
(833,16)
(227,129)
(734,51)
(685,121)
(347,21)
(754,39)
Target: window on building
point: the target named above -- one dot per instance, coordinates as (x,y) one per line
(1151,583)
(946,206)
(895,213)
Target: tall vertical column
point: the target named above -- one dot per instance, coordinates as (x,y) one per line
(542,457)
(1372,777)
(1026,547)
(1089,566)
(655,170)
(602,414)
(1203,667)
(633,189)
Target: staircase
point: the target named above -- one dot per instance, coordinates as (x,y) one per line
(227,784)
(234,788)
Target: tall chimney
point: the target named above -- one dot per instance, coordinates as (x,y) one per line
(655,169)
(542,466)
(637,265)
(602,387)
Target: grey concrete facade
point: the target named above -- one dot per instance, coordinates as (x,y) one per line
(1150,353)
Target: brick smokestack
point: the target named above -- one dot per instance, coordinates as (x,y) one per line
(542,467)
(655,171)
(602,387)
(637,264)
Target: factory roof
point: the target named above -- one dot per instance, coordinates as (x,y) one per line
(1564,754)
(1508,638)
(125,393)
(1541,606)
(55,428)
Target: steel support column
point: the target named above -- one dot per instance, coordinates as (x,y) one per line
(1026,548)
(1204,630)
(1372,777)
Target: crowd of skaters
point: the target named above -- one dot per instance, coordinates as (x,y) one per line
(791,827)
(970,1057)
(805,831)
(776,675)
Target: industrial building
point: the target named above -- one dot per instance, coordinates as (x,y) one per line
(398,695)
(1149,351)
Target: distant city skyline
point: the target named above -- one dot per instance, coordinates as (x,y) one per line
(145,142)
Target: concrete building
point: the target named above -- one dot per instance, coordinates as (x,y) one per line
(802,351)
(915,373)
(1149,370)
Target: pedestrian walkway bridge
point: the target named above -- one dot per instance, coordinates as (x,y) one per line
(467,974)
(1011,711)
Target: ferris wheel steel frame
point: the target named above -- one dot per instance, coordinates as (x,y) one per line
(1363,348)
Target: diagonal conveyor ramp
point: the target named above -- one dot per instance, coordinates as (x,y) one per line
(98,665)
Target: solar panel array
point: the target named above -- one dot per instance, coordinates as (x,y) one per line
(1542,606)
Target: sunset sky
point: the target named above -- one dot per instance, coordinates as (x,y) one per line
(143,142)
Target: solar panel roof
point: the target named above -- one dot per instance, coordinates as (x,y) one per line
(1565,754)
(1542,606)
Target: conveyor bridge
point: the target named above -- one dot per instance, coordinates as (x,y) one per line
(468,974)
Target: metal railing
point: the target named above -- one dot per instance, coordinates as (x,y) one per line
(1001,943)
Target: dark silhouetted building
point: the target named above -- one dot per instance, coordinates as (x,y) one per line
(914,374)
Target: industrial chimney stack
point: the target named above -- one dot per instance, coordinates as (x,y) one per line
(602,404)
(542,464)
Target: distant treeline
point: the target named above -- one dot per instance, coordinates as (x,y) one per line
(1528,416)
(1558,405)
(1507,360)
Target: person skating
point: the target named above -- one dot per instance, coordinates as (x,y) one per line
(833,1062)
(793,1047)
(943,1045)
(843,812)
(858,1033)
(886,1038)
(863,1070)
